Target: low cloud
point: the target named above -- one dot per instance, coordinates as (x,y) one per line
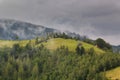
(95,18)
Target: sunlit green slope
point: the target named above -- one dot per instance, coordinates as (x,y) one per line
(53,44)
(113,74)
(10,43)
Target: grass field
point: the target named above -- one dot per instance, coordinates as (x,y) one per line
(113,74)
(52,44)
(10,43)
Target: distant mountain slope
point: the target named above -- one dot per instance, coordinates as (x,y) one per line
(116,49)
(10,29)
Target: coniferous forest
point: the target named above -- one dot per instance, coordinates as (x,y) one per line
(59,39)
(38,63)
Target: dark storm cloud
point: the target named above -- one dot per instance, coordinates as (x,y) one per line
(95,18)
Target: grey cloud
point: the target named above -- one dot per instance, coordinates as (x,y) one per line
(95,18)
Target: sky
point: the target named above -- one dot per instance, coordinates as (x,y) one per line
(93,18)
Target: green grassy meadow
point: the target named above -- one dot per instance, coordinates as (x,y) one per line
(53,44)
(10,43)
(113,74)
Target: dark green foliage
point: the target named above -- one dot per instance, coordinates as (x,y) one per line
(87,40)
(15,50)
(60,35)
(28,45)
(37,40)
(103,45)
(16,47)
(91,51)
(38,63)
(80,50)
(100,43)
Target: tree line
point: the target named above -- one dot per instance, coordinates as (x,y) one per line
(39,63)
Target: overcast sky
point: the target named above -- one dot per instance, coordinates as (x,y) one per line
(94,18)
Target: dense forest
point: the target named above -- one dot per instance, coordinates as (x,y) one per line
(33,62)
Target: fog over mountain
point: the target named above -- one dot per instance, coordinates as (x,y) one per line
(10,29)
(94,18)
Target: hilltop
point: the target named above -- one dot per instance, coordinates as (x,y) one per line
(53,44)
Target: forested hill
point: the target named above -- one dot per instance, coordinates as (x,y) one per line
(54,59)
(48,54)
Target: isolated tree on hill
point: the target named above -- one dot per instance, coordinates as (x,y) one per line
(103,45)
(77,49)
(100,43)
(80,49)
(16,49)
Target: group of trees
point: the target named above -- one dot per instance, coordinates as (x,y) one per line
(100,43)
(80,49)
(103,45)
(63,35)
(39,63)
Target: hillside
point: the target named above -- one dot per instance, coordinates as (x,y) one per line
(113,74)
(53,44)
(19,63)
(106,61)
(10,43)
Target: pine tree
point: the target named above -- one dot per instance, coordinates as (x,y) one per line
(36,40)
(82,50)
(78,50)
(35,72)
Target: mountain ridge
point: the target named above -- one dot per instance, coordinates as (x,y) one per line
(10,29)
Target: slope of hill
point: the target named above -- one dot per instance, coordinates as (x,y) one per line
(53,44)
(113,74)
(54,65)
(10,43)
